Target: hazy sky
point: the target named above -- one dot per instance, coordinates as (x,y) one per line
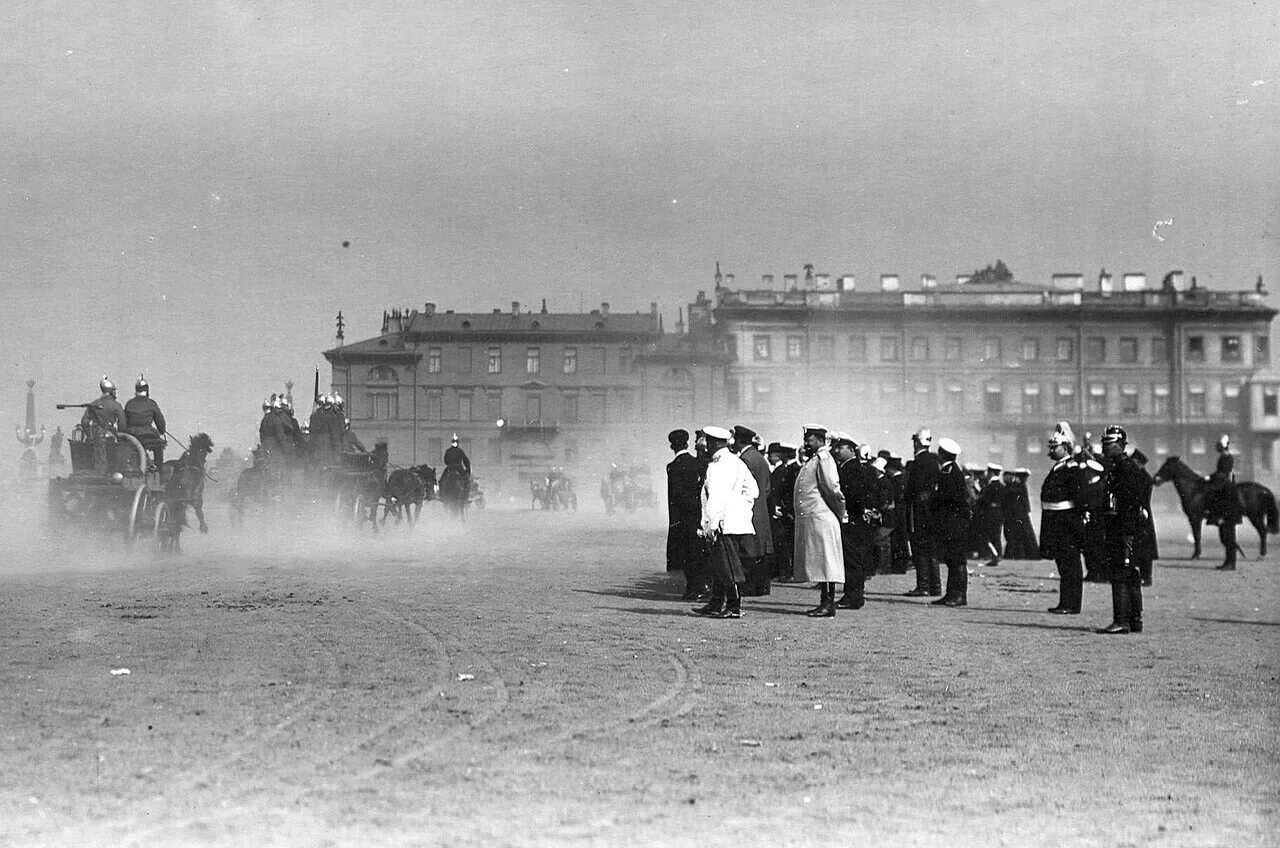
(176,183)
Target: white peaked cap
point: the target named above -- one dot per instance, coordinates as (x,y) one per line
(950,446)
(711,431)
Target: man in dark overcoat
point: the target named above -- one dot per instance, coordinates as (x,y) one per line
(782,518)
(758,548)
(684,514)
(1128,489)
(950,524)
(864,502)
(919,486)
(1062,519)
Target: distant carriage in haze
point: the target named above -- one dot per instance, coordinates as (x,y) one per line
(350,489)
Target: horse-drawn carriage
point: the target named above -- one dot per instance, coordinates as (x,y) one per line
(353,487)
(627,489)
(553,492)
(113,487)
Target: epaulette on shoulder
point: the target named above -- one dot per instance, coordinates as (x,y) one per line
(1093,464)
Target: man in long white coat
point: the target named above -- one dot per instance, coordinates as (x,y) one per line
(819,510)
(728,496)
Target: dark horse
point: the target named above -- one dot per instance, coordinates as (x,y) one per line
(1257,502)
(184,487)
(455,491)
(405,491)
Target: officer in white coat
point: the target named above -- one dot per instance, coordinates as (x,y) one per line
(728,497)
(819,511)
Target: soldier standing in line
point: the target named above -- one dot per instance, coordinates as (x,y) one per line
(1128,490)
(1148,552)
(919,485)
(863,504)
(882,549)
(758,549)
(1095,501)
(684,515)
(1062,519)
(1019,534)
(951,517)
(989,514)
(782,519)
(900,548)
(1223,502)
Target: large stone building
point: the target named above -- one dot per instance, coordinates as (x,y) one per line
(991,363)
(995,363)
(525,391)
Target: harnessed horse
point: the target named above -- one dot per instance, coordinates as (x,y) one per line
(184,487)
(455,490)
(405,491)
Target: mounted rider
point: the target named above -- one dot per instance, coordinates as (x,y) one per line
(145,422)
(1222,501)
(456,464)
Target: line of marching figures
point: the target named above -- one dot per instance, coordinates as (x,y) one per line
(829,511)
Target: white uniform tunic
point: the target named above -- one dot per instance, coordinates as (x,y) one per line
(819,555)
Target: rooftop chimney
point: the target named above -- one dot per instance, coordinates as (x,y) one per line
(766,280)
(928,281)
(848,283)
(1135,282)
(822,282)
(515,307)
(604,309)
(1104,282)
(428,309)
(790,282)
(1068,282)
(544,306)
(889,282)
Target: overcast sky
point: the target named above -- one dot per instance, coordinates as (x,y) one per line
(177,180)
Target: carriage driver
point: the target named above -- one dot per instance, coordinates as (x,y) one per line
(145,422)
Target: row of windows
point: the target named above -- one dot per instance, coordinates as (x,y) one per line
(1033,398)
(593,360)
(575,407)
(1097,349)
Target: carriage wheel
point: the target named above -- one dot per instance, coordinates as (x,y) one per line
(166,532)
(140,515)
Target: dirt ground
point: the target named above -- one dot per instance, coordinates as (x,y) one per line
(533,679)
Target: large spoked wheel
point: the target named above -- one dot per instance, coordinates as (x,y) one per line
(140,515)
(167,530)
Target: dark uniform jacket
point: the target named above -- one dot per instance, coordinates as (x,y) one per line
(951,512)
(919,485)
(1224,501)
(274,435)
(761,544)
(456,457)
(1061,530)
(862,492)
(782,487)
(684,489)
(893,481)
(143,418)
(1128,489)
(1020,535)
(105,413)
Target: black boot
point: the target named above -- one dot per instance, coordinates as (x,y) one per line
(1119,609)
(732,603)
(826,607)
(715,607)
(1135,606)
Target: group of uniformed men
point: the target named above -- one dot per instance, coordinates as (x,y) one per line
(140,417)
(832,512)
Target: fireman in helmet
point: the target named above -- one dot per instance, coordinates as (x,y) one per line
(145,422)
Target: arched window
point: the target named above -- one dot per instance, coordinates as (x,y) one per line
(382,374)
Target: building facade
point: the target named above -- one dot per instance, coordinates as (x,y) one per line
(525,391)
(994,364)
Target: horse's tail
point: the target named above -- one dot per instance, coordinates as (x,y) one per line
(1273,514)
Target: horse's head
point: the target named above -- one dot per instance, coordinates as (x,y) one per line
(1169,470)
(200,445)
(428,475)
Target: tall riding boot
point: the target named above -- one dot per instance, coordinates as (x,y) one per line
(935,577)
(826,607)
(920,560)
(714,607)
(1119,609)
(1227,533)
(1135,605)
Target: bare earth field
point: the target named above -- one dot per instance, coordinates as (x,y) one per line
(533,679)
